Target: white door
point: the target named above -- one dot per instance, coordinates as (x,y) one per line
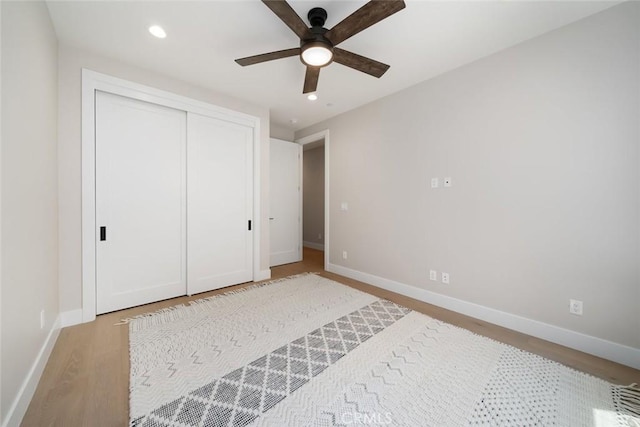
(140,202)
(219,203)
(285,202)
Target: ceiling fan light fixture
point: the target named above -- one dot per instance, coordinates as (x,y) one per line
(316,54)
(318,44)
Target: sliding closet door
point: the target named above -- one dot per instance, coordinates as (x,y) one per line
(140,202)
(219,203)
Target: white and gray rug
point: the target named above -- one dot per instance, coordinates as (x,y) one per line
(307,351)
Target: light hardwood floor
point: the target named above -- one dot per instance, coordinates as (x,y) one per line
(86,380)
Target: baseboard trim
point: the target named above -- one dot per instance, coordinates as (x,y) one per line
(70,318)
(20,404)
(264,275)
(312,245)
(619,353)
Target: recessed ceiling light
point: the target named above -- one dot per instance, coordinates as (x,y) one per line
(312,97)
(157,31)
(293,121)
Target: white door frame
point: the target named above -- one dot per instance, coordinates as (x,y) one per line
(92,82)
(308,140)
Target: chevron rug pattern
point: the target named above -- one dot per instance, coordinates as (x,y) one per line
(307,351)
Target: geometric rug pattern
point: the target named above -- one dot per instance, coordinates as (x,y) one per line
(307,351)
(239,397)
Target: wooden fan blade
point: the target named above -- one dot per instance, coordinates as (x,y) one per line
(360,63)
(286,13)
(256,59)
(369,14)
(311,79)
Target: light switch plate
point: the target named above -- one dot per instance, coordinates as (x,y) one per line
(447,182)
(435,182)
(433,275)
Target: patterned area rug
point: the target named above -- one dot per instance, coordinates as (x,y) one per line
(307,351)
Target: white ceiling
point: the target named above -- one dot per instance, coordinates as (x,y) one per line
(424,40)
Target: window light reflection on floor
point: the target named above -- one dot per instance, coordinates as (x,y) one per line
(604,418)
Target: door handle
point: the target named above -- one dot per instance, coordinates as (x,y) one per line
(271,219)
(103,234)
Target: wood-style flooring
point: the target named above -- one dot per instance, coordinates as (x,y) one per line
(86,380)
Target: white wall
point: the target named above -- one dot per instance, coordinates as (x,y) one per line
(71,62)
(542,142)
(313,197)
(29,193)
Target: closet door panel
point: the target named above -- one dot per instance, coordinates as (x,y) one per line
(219,203)
(140,202)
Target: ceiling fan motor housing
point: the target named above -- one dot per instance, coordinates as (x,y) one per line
(317,17)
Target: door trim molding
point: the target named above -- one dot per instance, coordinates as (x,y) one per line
(308,140)
(93,81)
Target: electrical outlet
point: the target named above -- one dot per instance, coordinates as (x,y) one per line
(41,319)
(575,307)
(433,275)
(447,182)
(445,278)
(344,206)
(344,254)
(435,183)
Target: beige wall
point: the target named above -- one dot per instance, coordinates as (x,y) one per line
(280,132)
(313,196)
(29,189)
(71,62)
(542,142)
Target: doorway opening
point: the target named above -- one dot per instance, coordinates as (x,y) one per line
(320,186)
(313,203)
(313,195)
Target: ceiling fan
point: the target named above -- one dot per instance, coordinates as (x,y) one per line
(318,45)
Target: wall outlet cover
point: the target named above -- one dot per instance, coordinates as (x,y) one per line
(445,278)
(575,307)
(435,183)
